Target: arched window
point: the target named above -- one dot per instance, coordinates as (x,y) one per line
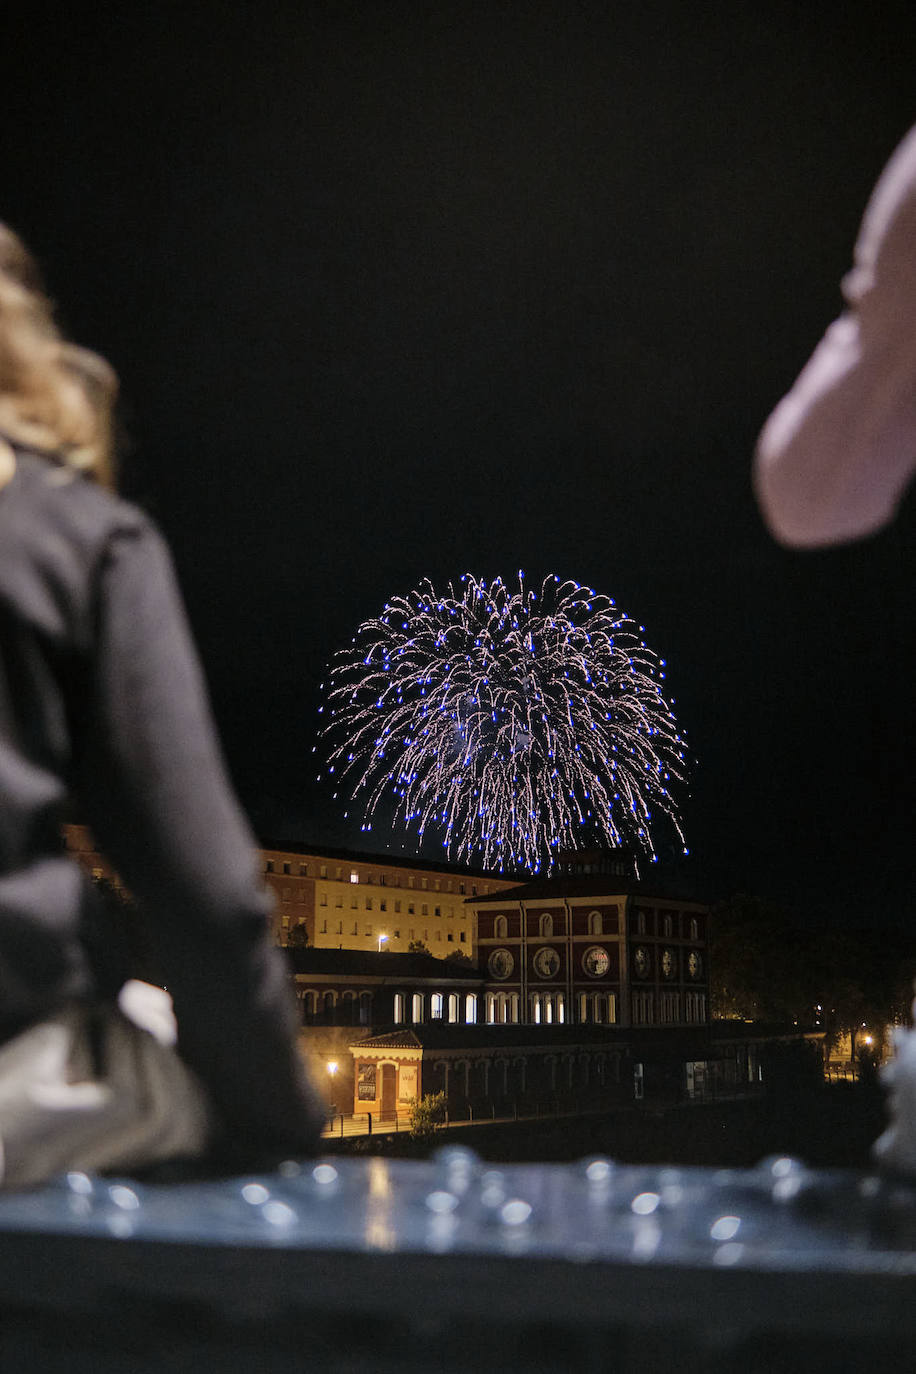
(694,928)
(435,1006)
(470,1008)
(548,1009)
(561,1008)
(536,1008)
(500,928)
(514,1008)
(329,1000)
(348,1009)
(417,1008)
(491,1008)
(598,1007)
(595,923)
(453,1006)
(399,1011)
(583,1008)
(309,1008)
(365,1008)
(546,924)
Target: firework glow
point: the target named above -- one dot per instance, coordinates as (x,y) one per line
(512,724)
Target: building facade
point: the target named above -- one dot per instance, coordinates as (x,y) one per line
(369,902)
(593,948)
(335,899)
(345,996)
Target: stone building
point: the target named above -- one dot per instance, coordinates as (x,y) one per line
(593,947)
(337,899)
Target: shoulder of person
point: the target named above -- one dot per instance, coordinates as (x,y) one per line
(73,505)
(57,529)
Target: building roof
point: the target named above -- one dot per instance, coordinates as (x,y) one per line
(561,885)
(658,1042)
(444,1035)
(353,963)
(388,860)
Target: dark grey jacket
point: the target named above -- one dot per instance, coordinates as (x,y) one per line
(103,709)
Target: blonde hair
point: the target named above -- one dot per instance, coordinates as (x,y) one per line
(54,396)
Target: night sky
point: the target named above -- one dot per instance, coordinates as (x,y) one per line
(406,290)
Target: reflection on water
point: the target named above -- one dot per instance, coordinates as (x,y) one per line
(380,1230)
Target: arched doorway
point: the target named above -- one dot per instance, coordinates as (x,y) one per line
(389,1090)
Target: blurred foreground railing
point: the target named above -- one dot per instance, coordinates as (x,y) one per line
(389,1265)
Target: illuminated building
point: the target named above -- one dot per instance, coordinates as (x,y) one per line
(593,945)
(335,899)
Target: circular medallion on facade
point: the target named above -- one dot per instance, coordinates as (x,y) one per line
(501,963)
(546,962)
(669,966)
(641,961)
(694,964)
(596,961)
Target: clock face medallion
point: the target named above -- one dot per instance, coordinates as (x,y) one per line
(596,961)
(641,961)
(694,964)
(668,963)
(501,963)
(546,962)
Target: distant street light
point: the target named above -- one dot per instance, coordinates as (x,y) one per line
(382,939)
(332,1067)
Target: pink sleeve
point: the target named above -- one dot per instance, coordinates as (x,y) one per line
(836,454)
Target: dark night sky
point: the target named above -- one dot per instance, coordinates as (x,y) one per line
(404,290)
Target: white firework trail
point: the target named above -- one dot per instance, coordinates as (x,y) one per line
(515,724)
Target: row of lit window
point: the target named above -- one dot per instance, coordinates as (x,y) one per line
(285,868)
(548,928)
(383,906)
(667,1011)
(639,925)
(395,934)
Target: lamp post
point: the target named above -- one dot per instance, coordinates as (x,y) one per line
(332,1069)
(382,940)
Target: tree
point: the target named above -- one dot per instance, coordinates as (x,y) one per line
(759,963)
(417,947)
(298,937)
(459,959)
(768,965)
(427,1115)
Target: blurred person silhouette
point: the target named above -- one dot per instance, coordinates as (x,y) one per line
(103,710)
(836,455)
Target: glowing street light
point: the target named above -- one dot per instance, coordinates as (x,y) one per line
(331,1067)
(382,939)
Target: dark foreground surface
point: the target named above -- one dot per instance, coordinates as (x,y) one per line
(453,1264)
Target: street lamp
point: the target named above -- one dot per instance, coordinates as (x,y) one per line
(382,939)
(332,1069)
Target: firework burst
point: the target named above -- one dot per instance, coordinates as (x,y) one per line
(512,723)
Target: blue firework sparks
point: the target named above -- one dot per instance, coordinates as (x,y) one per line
(514,724)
